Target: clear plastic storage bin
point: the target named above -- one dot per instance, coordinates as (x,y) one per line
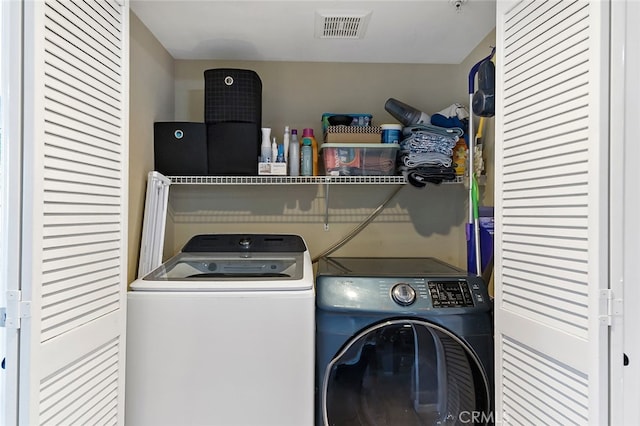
(359,159)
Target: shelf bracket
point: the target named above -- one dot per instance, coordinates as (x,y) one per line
(326,205)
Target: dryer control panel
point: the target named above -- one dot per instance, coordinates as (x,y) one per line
(450,294)
(445,295)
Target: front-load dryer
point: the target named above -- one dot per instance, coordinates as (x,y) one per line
(402,342)
(223,334)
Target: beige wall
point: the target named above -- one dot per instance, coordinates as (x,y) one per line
(151,99)
(417,222)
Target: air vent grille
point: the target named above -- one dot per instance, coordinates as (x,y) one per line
(341,25)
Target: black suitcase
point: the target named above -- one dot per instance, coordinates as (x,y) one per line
(180,148)
(233,114)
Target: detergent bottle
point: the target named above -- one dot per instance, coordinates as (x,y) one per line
(308,133)
(306,156)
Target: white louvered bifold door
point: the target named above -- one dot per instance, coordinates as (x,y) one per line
(551,213)
(74,212)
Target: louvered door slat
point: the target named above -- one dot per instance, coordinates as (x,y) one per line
(527,288)
(539,399)
(101,16)
(53,387)
(543,382)
(64,36)
(83,180)
(572,275)
(538,280)
(90,147)
(559,30)
(85,189)
(79,259)
(555,146)
(64,208)
(77,112)
(79,219)
(93,228)
(538,106)
(558,183)
(564,134)
(60,90)
(90,377)
(105,170)
(83,78)
(95,278)
(81,32)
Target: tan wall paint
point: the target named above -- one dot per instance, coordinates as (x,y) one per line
(417,222)
(151,99)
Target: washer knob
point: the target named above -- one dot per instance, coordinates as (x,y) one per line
(403,294)
(245,242)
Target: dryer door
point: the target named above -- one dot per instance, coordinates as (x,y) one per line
(405,372)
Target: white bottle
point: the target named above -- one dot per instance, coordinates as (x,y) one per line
(265,147)
(286,143)
(294,154)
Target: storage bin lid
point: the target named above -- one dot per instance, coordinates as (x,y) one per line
(390,146)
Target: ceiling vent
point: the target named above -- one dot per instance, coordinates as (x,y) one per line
(341,24)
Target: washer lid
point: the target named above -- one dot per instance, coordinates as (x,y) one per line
(254,243)
(229,272)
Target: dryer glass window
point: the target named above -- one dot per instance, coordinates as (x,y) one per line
(404,373)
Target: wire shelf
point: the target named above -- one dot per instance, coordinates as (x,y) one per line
(285,180)
(294,180)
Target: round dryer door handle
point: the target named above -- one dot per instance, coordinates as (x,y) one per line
(403,294)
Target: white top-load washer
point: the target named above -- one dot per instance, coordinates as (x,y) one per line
(223,334)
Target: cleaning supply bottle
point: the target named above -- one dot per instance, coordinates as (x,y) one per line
(265,147)
(308,133)
(274,151)
(286,142)
(306,153)
(294,154)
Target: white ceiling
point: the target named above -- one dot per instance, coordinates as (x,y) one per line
(412,32)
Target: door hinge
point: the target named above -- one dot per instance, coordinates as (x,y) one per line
(610,305)
(16,309)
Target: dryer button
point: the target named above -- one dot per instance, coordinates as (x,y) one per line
(403,294)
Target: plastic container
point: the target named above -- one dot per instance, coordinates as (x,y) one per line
(308,133)
(391,133)
(360,159)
